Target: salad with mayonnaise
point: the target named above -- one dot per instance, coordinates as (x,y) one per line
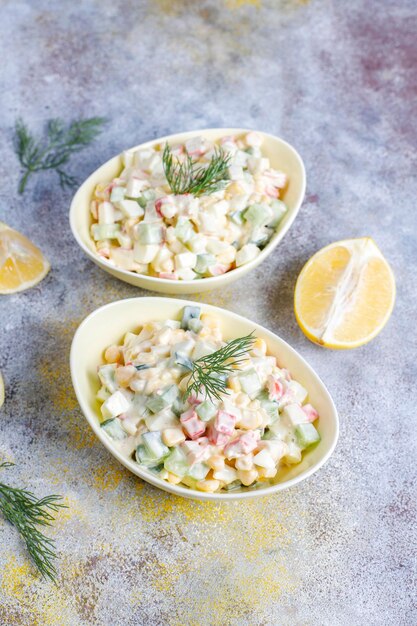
(194,409)
(189,211)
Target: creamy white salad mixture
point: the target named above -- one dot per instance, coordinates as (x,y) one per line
(261,420)
(141,224)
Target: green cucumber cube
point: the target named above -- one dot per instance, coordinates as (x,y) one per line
(117,194)
(184,230)
(236,217)
(206,410)
(198,471)
(204,261)
(147,234)
(177,463)
(113,428)
(189,313)
(104,231)
(278,211)
(195,325)
(258,214)
(170,394)
(154,444)
(156,403)
(250,383)
(307,435)
(144,458)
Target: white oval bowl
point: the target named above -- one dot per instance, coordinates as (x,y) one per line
(108,324)
(281,155)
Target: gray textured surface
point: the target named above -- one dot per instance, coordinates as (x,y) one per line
(335,79)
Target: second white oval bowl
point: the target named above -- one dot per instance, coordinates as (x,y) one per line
(108,324)
(281,155)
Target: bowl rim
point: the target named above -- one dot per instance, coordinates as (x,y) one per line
(276,238)
(93,418)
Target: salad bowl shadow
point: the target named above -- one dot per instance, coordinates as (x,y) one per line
(108,324)
(281,155)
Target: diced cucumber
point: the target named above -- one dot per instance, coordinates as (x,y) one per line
(104,231)
(117,194)
(258,214)
(261,235)
(156,403)
(184,230)
(204,261)
(102,394)
(293,455)
(189,313)
(144,458)
(198,471)
(183,361)
(236,484)
(179,406)
(149,233)
(148,195)
(278,211)
(106,374)
(177,463)
(236,217)
(271,408)
(206,410)
(246,254)
(170,394)
(154,444)
(250,382)
(131,208)
(195,325)
(307,435)
(113,428)
(160,421)
(143,366)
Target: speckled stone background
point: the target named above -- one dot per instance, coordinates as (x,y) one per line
(335,79)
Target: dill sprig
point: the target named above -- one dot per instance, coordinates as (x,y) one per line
(55,150)
(187,176)
(25,511)
(210,373)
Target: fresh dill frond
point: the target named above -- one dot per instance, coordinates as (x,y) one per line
(26,512)
(55,150)
(187,176)
(209,374)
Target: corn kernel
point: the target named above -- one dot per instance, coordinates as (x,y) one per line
(259,347)
(247,477)
(234,384)
(211,321)
(242,400)
(124,375)
(208,486)
(216,462)
(113,354)
(245,462)
(267,473)
(243,364)
(173,479)
(172,436)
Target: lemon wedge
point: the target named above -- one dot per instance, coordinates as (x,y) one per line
(22,264)
(344,294)
(1,391)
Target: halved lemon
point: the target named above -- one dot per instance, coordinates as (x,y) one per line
(1,391)
(22,264)
(344,294)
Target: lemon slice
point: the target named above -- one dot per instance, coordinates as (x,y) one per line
(22,264)
(1,391)
(344,294)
